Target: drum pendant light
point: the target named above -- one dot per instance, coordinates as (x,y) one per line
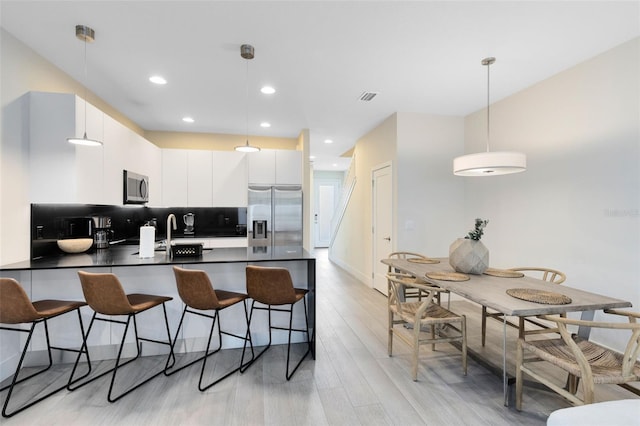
(85,34)
(247,51)
(489,163)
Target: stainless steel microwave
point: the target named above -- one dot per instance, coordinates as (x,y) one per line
(135,188)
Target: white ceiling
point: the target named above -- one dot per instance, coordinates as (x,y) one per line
(421,56)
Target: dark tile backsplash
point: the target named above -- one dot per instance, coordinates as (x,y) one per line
(50,222)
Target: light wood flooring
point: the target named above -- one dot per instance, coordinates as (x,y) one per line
(352,381)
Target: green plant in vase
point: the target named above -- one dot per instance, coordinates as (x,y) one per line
(469,255)
(477,233)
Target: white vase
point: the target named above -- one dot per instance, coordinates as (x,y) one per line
(468,256)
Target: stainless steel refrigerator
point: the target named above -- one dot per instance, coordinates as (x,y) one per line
(274,216)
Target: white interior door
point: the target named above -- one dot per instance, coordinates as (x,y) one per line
(326,193)
(382,224)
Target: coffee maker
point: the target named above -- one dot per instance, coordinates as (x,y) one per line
(101,231)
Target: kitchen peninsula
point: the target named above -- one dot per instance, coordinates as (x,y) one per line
(55,277)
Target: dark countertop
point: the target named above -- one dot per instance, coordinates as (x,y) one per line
(127,255)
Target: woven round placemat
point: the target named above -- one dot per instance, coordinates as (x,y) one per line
(447,276)
(503,273)
(422,260)
(408,280)
(539,296)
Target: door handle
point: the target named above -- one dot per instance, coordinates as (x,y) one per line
(387,238)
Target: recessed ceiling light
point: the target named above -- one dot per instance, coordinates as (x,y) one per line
(268,90)
(335,165)
(265,124)
(328,141)
(188,119)
(312,157)
(156,79)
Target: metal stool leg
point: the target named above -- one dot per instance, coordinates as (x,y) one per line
(15,381)
(254,358)
(118,365)
(291,329)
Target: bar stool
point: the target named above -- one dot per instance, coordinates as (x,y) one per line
(17,308)
(197,293)
(105,295)
(273,287)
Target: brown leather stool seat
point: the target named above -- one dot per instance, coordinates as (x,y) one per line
(105,295)
(197,293)
(17,308)
(273,287)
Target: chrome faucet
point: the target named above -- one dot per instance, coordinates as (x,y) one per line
(170,218)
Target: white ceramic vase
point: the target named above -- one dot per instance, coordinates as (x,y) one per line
(468,256)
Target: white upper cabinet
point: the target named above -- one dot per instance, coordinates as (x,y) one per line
(288,167)
(127,150)
(64,173)
(89,159)
(199,178)
(271,166)
(152,158)
(146,161)
(262,166)
(186,178)
(174,177)
(59,171)
(229,179)
(115,150)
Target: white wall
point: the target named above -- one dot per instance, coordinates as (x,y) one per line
(577,207)
(304,145)
(430,198)
(351,248)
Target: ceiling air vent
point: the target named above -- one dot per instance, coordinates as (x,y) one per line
(367,96)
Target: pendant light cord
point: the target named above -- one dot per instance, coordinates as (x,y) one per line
(488,107)
(247,101)
(85,88)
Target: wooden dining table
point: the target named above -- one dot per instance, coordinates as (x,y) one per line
(491,291)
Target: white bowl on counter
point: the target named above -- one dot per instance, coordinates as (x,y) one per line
(75,245)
